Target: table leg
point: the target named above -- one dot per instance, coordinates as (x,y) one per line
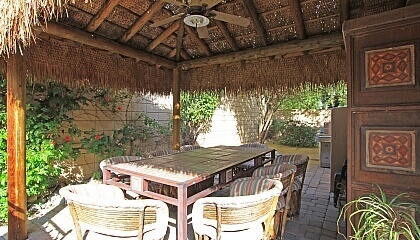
(273,155)
(182,215)
(106,175)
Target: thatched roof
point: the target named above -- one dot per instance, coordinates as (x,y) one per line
(111,43)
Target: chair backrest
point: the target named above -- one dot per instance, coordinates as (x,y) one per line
(300,160)
(284,172)
(186,148)
(163,152)
(214,215)
(254,145)
(291,158)
(102,208)
(273,169)
(118,159)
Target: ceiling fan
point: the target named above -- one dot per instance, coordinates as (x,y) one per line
(197,13)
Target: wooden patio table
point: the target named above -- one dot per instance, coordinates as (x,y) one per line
(183,170)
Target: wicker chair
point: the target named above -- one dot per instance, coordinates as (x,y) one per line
(163,152)
(102,213)
(301,162)
(246,214)
(286,174)
(186,148)
(122,178)
(247,165)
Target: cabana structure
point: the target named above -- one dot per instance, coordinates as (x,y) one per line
(123,44)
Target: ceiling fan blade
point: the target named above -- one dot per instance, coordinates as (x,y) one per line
(195,3)
(167,20)
(241,21)
(175,2)
(210,3)
(203,32)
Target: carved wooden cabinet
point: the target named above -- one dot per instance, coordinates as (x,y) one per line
(383,73)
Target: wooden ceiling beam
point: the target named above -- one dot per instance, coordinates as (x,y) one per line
(256,21)
(102,14)
(171,54)
(323,42)
(297,18)
(179,40)
(264,14)
(183,54)
(225,31)
(139,24)
(74,34)
(165,34)
(201,44)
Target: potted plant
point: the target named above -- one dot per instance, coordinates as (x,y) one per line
(380,217)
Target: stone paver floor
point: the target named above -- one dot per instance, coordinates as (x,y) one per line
(317,219)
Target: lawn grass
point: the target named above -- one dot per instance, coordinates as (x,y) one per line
(313,153)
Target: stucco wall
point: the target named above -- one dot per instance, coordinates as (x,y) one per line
(234,122)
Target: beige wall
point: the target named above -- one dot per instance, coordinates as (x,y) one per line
(234,122)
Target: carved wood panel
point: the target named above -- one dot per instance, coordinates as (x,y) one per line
(383,72)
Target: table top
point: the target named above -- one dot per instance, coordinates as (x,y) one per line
(190,166)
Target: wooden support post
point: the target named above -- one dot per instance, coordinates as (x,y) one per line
(176,126)
(16,148)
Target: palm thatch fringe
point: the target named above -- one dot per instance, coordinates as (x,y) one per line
(53,60)
(19,17)
(280,74)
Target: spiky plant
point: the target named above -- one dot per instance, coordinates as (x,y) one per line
(374,217)
(19,17)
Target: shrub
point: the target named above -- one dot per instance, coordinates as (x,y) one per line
(197,110)
(51,134)
(297,134)
(315,97)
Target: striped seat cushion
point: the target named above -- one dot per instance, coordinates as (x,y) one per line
(250,186)
(291,158)
(297,184)
(281,203)
(273,169)
(119,159)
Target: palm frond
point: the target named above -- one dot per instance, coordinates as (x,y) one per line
(20,17)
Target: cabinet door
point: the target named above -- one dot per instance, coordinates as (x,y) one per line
(383,70)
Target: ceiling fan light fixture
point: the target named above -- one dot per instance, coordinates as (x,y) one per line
(196,20)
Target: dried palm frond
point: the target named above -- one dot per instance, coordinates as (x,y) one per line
(19,17)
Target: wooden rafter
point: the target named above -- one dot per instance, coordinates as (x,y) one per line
(179,40)
(227,35)
(323,42)
(201,44)
(165,34)
(139,24)
(102,14)
(82,37)
(298,18)
(171,54)
(256,21)
(287,26)
(184,54)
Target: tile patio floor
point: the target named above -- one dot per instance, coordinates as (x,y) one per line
(317,219)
